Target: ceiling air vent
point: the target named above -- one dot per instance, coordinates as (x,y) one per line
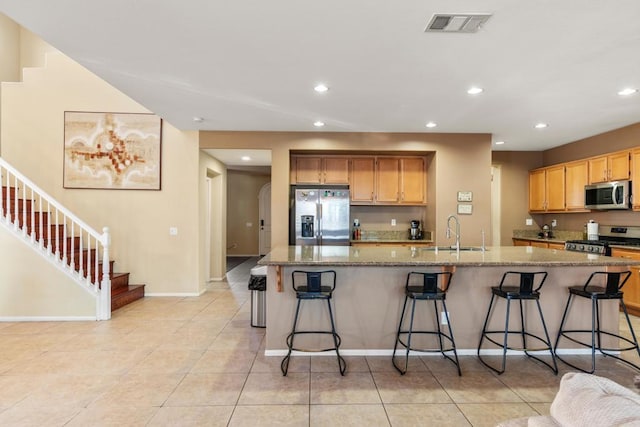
(457,22)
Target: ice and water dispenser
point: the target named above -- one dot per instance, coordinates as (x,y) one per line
(307,225)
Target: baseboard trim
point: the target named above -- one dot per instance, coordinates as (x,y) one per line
(173,294)
(389,352)
(47,318)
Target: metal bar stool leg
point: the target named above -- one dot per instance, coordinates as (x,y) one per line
(395,347)
(554,368)
(484,330)
(342,365)
(453,343)
(284,365)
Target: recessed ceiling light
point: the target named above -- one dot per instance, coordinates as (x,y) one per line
(321,88)
(475,90)
(499,142)
(245,158)
(627,91)
(318,124)
(431,125)
(198,119)
(541,125)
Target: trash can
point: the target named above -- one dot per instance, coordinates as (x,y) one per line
(258,287)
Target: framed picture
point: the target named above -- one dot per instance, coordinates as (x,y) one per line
(115,151)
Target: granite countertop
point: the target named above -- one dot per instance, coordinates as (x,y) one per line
(408,256)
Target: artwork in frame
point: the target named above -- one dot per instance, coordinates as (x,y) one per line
(112,150)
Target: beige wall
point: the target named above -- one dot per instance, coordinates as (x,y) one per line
(31,288)
(462,162)
(243,189)
(618,139)
(514,191)
(32,141)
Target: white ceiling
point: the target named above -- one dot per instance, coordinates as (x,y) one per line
(252,65)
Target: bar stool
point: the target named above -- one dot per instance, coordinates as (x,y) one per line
(426,287)
(313,286)
(527,288)
(608,287)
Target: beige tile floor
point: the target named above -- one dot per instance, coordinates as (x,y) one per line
(197,362)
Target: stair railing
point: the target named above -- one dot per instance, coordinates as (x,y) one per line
(57,234)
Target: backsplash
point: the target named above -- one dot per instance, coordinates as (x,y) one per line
(393,235)
(557,234)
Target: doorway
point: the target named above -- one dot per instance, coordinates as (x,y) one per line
(495,205)
(264,235)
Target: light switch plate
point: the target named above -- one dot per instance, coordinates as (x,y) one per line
(528,221)
(173,231)
(465,209)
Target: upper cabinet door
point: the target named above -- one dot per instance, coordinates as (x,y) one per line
(387,180)
(336,170)
(576,177)
(618,166)
(555,188)
(537,190)
(362,186)
(308,170)
(413,180)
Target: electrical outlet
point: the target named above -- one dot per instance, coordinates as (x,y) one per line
(443,318)
(173,231)
(554,223)
(393,222)
(528,221)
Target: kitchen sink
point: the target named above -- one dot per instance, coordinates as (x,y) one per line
(452,248)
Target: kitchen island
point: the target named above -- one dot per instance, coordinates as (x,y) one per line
(370,291)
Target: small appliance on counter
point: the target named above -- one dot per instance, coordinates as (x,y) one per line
(415,232)
(545,233)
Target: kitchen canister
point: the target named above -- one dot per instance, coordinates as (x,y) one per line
(592,230)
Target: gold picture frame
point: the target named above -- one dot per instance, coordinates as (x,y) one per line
(113,151)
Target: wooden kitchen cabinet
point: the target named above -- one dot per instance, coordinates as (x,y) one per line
(612,167)
(362,186)
(321,170)
(631,289)
(635,179)
(538,244)
(413,181)
(576,177)
(387,180)
(547,189)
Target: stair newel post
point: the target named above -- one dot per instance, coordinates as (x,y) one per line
(105,285)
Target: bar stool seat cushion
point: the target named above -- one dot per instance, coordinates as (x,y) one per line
(417,293)
(597,291)
(303,292)
(513,292)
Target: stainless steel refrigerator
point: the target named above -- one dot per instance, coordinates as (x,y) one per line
(319,216)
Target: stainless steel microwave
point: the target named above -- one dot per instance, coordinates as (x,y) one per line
(608,195)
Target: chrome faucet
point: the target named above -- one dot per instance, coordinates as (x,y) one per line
(448,233)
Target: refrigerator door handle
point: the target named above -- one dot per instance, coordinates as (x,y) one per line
(319,211)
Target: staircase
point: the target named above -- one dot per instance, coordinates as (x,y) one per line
(71,245)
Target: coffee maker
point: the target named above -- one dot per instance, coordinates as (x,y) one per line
(415,232)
